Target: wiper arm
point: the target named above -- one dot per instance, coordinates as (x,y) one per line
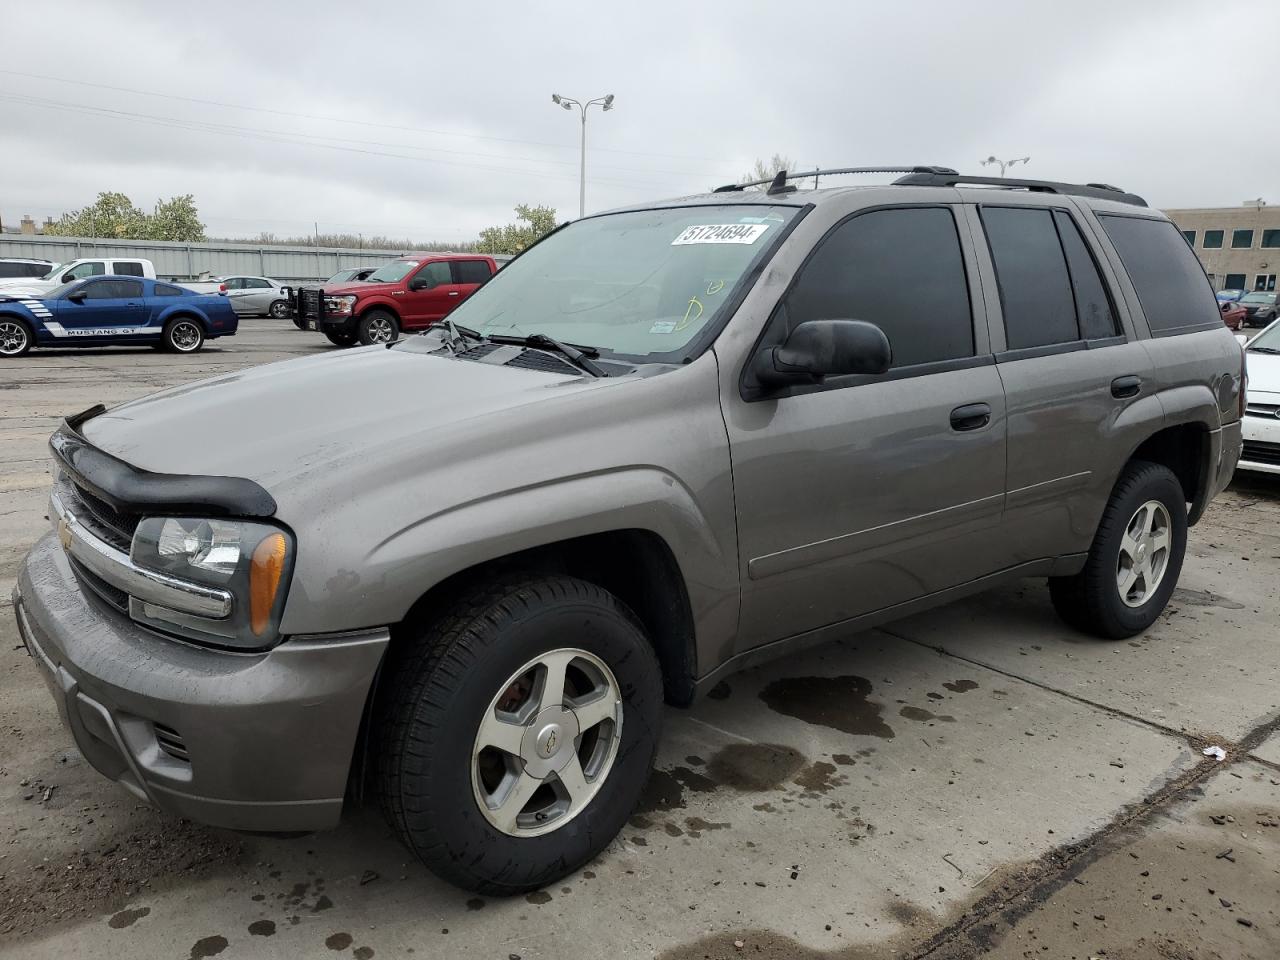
(580,358)
(1263,350)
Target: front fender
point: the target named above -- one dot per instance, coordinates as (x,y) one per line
(401,568)
(379,302)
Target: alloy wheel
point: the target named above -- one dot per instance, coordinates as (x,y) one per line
(380,330)
(13,338)
(185,336)
(546,743)
(1144,553)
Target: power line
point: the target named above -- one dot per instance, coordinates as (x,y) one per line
(251,133)
(326,119)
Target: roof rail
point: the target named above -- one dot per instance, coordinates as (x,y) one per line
(778,182)
(1100,191)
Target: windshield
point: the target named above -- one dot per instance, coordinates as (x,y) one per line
(59,290)
(341,275)
(392,272)
(640,285)
(1267,341)
(1258,298)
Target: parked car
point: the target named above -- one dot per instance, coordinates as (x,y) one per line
(57,274)
(113,310)
(350,275)
(410,293)
(666,443)
(1260,308)
(1261,422)
(249,296)
(12,268)
(1233,314)
(1230,295)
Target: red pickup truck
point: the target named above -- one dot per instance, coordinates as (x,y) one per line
(409,293)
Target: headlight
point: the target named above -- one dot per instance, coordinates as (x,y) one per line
(250,560)
(339,304)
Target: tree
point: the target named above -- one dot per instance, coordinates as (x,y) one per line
(111,215)
(532,223)
(176,219)
(114,216)
(767,170)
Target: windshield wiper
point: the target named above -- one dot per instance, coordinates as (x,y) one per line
(580,357)
(1263,350)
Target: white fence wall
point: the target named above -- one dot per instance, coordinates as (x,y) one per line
(187,261)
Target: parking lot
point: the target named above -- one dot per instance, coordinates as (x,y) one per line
(977,780)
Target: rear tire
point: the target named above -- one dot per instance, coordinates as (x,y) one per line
(341,339)
(16,337)
(499,819)
(377,326)
(183,335)
(278,310)
(1135,559)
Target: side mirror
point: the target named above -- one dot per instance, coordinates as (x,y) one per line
(77,297)
(421,283)
(824,348)
(67,277)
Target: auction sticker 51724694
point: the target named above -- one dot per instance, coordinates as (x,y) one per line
(721,233)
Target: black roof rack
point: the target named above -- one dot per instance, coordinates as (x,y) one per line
(778,183)
(1100,191)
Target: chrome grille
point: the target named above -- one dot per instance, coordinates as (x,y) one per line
(1268,410)
(114,526)
(1259,451)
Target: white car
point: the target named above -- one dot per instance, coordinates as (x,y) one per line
(60,273)
(1261,426)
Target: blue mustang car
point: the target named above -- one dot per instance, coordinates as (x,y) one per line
(113,310)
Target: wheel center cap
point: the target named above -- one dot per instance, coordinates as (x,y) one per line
(550,741)
(549,738)
(1142,553)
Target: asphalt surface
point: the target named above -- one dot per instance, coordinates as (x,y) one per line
(976,780)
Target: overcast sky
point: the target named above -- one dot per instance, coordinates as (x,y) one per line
(432,120)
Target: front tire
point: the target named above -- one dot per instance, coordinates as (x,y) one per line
(183,335)
(16,337)
(340,339)
(1135,559)
(518,732)
(278,310)
(377,326)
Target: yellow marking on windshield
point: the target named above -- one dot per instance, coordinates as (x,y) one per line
(689,315)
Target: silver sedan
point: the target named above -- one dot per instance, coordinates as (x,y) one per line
(257,296)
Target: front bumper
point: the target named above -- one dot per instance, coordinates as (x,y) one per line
(259,742)
(1262,440)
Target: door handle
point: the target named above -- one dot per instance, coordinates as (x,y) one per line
(972,416)
(1124,387)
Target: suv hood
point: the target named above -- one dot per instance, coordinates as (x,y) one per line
(326,418)
(360,286)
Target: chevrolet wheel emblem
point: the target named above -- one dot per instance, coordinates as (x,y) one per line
(64,533)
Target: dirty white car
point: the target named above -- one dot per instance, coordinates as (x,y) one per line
(1261,423)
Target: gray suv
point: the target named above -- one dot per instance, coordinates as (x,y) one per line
(665,443)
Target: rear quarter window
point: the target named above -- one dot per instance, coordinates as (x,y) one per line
(1175,293)
(164,290)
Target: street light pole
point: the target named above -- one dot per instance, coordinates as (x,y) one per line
(1004,163)
(568,103)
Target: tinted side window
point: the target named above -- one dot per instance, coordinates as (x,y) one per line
(256,283)
(164,290)
(1169,279)
(12,270)
(436,272)
(1094,312)
(112,289)
(471,271)
(125,268)
(899,269)
(1035,288)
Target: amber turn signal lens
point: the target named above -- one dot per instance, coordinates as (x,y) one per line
(265,570)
